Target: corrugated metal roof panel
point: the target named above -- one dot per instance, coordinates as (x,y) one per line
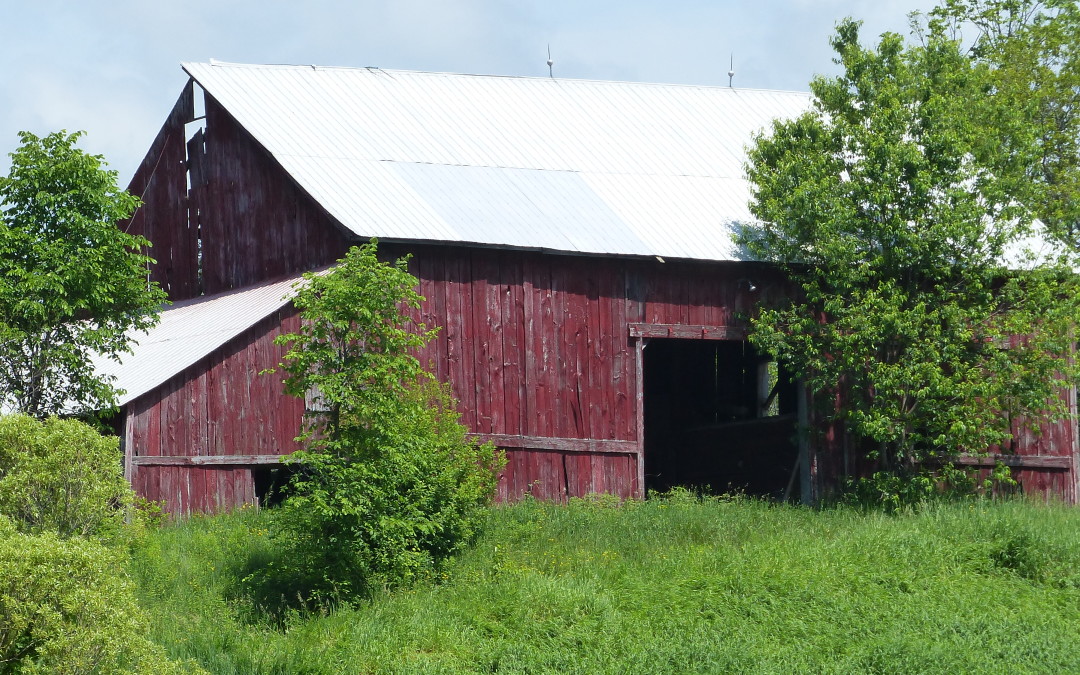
(187,332)
(580,166)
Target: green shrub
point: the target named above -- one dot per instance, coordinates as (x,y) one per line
(390,487)
(62,476)
(66,608)
(386,515)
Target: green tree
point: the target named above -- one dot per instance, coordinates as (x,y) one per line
(71,282)
(1029,51)
(921,324)
(389,485)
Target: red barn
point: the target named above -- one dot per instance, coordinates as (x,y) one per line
(573,240)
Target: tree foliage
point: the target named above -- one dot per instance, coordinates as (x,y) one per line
(65,512)
(1029,54)
(924,323)
(66,607)
(389,486)
(71,282)
(62,476)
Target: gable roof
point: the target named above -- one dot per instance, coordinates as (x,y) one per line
(577,166)
(187,332)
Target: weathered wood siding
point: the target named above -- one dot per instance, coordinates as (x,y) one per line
(218,408)
(242,221)
(255,223)
(539,352)
(161,181)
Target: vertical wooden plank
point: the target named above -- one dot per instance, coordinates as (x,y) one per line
(487,294)
(697,299)
(568,310)
(428,355)
(621,361)
(513,321)
(438,301)
(529,309)
(197,403)
(167,489)
(477,340)
(597,357)
(540,355)
(458,351)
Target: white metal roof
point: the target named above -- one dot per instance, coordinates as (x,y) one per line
(188,331)
(581,166)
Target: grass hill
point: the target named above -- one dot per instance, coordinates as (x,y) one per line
(670,585)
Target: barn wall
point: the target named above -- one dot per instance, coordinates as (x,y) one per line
(218,411)
(539,353)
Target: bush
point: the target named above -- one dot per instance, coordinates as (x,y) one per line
(390,487)
(65,608)
(386,515)
(61,476)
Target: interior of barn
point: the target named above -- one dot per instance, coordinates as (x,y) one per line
(719,418)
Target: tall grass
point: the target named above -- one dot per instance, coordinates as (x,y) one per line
(676,585)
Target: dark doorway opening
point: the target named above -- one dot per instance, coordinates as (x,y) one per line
(270,482)
(719,417)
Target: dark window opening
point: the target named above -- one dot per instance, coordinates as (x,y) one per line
(270,482)
(719,417)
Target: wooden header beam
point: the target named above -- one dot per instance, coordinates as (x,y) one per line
(687,332)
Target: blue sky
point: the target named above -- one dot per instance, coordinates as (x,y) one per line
(111,67)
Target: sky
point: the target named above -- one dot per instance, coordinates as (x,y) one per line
(112,67)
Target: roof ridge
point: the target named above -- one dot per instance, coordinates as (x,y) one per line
(405,71)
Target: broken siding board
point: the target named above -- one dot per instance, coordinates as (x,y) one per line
(161,181)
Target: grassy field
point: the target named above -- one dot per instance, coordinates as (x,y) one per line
(673,585)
